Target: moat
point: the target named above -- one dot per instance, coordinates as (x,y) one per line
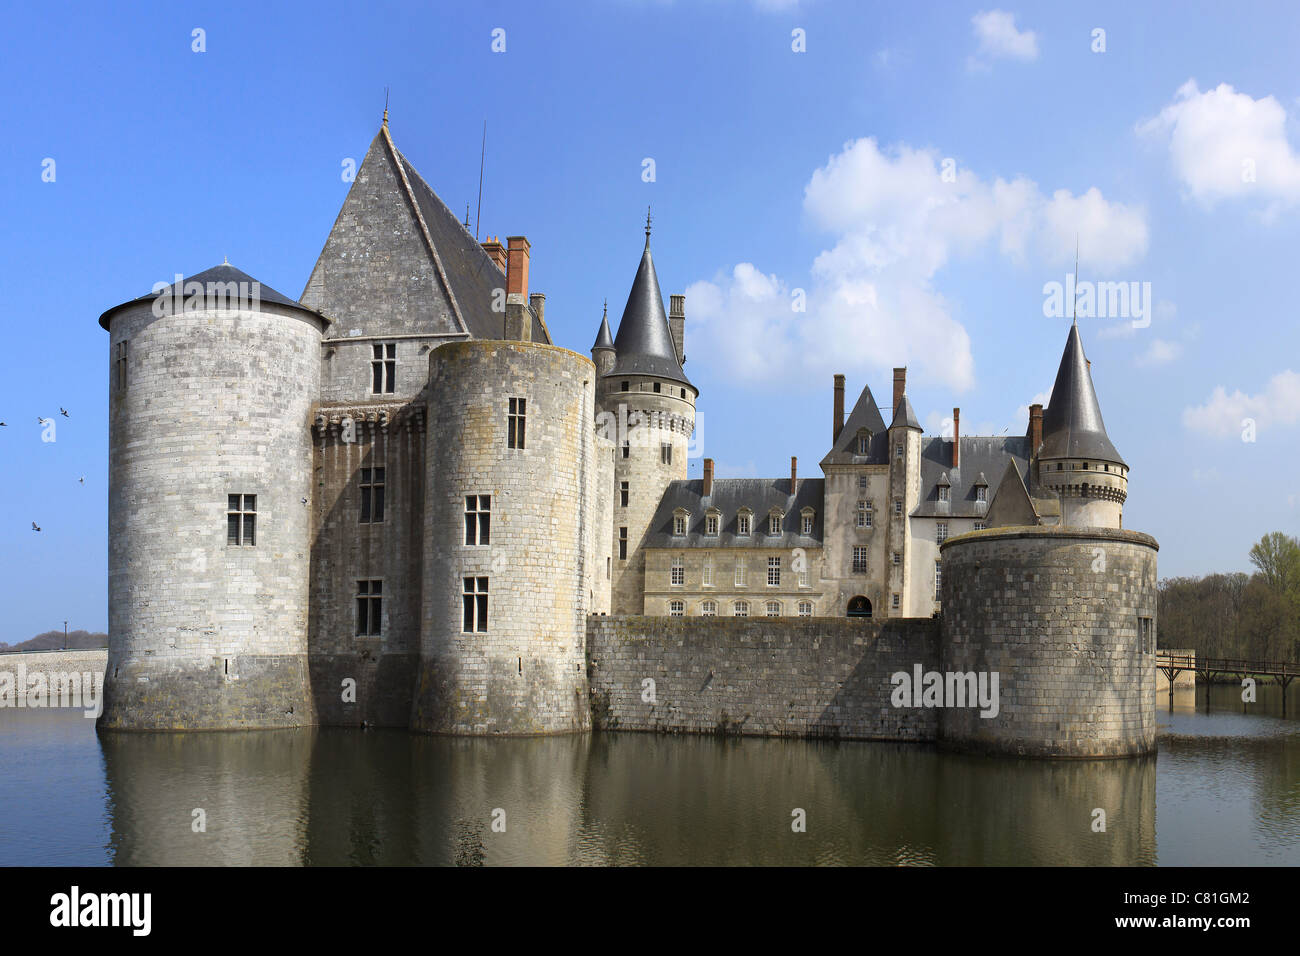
(1224,790)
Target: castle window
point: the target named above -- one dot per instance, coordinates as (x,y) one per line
(740,609)
(709,609)
(624,388)
(622,544)
(1059,466)
(938,580)
(383,368)
(1085,466)
(515,422)
(943,492)
(805,608)
(706,578)
(859,560)
(742,524)
(370,606)
(898,506)
(980,526)
(806,525)
(478,519)
(676,608)
(898,451)
(372,495)
(679,525)
(683,393)
(241,520)
(119,364)
(711,524)
(862,482)
(893,601)
(774,523)
(622,494)
(864,514)
(627,448)
(803,578)
(941,531)
(678,573)
(656,388)
(773,608)
(864,442)
(666,453)
(740,573)
(774,571)
(1146,635)
(981,493)
(474,597)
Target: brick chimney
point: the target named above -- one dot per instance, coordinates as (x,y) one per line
(956,437)
(794,474)
(839,407)
(518,324)
(496,252)
(900,386)
(677,324)
(708,478)
(1035,429)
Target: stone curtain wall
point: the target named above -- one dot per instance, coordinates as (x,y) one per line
(52,662)
(1055,612)
(776,677)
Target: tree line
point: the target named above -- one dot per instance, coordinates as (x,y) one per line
(1240,615)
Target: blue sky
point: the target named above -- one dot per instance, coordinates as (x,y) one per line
(1173,156)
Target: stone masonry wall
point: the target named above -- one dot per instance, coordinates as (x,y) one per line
(779,677)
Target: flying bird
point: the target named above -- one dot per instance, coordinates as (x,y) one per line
(63,411)
(82,479)
(43,421)
(35,526)
(3,424)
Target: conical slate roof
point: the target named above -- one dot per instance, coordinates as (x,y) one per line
(603,339)
(221,278)
(1072,425)
(904,416)
(644,342)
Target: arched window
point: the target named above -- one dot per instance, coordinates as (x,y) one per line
(859,607)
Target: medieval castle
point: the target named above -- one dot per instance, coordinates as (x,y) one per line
(396,502)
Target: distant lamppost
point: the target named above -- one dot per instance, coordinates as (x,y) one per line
(65,635)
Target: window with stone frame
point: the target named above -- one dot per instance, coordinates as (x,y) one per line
(622,544)
(893,601)
(773,608)
(666,453)
(677,574)
(679,525)
(742,523)
(371,484)
(805,608)
(706,571)
(370,608)
(478,520)
(622,494)
(711,524)
(774,571)
(940,531)
(859,560)
(627,448)
(676,608)
(806,525)
(120,364)
(774,523)
(474,598)
(241,520)
(938,580)
(709,609)
(865,514)
(383,368)
(516,421)
(740,573)
(740,609)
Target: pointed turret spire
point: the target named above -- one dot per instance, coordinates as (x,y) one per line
(603,339)
(1072,425)
(904,417)
(645,342)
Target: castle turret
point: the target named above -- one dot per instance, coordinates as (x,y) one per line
(647,405)
(209,518)
(1077,462)
(905,488)
(603,352)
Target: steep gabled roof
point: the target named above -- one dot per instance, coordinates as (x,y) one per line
(866,415)
(1072,425)
(1011,504)
(644,342)
(980,457)
(904,416)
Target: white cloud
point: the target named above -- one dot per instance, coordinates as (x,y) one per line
(871,301)
(1021,417)
(1225,145)
(1159,352)
(1222,416)
(999,39)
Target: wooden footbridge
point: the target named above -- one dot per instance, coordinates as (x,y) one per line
(1208,668)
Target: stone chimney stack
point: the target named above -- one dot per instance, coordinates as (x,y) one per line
(900,386)
(956,437)
(496,252)
(1035,429)
(839,407)
(794,475)
(538,301)
(519,324)
(708,478)
(677,325)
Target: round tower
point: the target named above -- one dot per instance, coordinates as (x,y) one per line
(510,522)
(212,384)
(646,407)
(603,352)
(1077,462)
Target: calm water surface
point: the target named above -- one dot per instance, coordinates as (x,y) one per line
(1224,790)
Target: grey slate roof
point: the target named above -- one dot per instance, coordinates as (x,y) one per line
(979,458)
(866,415)
(644,342)
(471,272)
(904,416)
(603,339)
(729,495)
(222,274)
(1072,425)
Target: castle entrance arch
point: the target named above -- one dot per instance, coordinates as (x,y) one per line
(859,607)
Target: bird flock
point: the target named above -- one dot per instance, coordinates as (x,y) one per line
(43,421)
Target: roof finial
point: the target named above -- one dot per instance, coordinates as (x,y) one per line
(604,310)
(1076,278)
(647,226)
(385,106)
(225,261)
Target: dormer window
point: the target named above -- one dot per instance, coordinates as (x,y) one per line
(712,520)
(742,521)
(943,492)
(982,493)
(806,521)
(774,522)
(680,517)
(864,442)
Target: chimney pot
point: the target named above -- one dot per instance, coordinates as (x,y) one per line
(708,477)
(794,474)
(517,268)
(1035,429)
(496,252)
(900,386)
